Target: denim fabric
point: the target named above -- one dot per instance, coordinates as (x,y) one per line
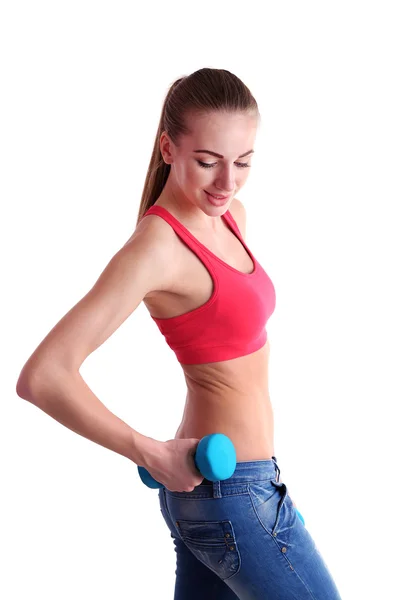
(242,538)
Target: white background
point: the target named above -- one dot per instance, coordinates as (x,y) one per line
(82,89)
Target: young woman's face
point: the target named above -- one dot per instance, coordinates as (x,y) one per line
(194,173)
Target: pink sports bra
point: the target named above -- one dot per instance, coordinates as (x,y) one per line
(232,322)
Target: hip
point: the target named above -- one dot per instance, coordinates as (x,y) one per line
(247,532)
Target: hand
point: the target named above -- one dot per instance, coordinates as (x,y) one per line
(172,464)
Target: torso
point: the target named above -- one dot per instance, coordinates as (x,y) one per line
(231,396)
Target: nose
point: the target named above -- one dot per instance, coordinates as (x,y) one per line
(226,182)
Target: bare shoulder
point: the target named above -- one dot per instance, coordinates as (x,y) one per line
(238,212)
(154,237)
(154,231)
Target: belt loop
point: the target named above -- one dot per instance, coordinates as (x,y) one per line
(277,470)
(217,489)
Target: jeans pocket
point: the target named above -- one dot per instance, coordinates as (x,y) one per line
(214,544)
(268,499)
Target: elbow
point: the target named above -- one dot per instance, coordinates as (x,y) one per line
(35,381)
(29,381)
(24,385)
(34,371)
(23,388)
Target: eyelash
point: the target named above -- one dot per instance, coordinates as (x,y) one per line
(210,165)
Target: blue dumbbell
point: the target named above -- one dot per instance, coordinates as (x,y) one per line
(215,459)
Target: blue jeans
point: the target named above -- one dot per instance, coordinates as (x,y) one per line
(242,538)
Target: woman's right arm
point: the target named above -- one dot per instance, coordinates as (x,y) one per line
(51,380)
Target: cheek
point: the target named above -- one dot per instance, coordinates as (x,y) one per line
(241,179)
(197,177)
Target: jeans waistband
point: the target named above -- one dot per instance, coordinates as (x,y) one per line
(254,470)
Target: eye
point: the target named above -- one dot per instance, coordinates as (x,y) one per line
(210,165)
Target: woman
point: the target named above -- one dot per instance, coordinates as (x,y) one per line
(188,261)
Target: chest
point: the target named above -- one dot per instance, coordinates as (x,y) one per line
(193,284)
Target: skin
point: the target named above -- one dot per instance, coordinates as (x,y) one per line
(232,396)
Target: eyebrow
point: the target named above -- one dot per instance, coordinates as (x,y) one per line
(220,155)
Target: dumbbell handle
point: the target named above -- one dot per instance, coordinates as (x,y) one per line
(215,459)
(149,479)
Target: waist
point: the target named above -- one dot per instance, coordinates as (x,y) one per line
(247,420)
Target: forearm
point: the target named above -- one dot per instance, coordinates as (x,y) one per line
(67,398)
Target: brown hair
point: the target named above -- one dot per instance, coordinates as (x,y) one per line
(203,91)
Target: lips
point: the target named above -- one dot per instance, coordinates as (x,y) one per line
(218,202)
(216,196)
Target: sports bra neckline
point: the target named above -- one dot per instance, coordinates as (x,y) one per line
(226,216)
